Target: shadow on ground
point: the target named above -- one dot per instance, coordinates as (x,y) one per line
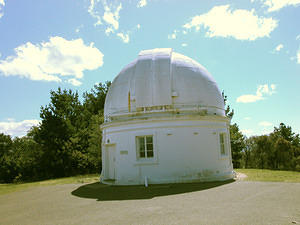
(103,192)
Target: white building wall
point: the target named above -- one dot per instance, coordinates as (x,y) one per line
(184,151)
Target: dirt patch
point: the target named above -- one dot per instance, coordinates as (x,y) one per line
(240,176)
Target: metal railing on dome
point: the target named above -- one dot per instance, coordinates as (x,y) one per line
(139,112)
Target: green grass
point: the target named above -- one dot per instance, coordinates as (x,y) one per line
(252,175)
(8,188)
(270,175)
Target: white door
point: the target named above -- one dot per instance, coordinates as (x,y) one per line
(110,161)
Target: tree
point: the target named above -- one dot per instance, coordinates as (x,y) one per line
(237,141)
(247,152)
(262,151)
(94,101)
(93,105)
(61,120)
(286,147)
(283,153)
(5,144)
(6,162)
(228,111)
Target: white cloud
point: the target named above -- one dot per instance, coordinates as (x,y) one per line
(273,87)
(14,128)
(94,13)
(266,130)
(112,17)
(298,56)
(109,30)
(261,92)
(184,44)
(241,24)
(264,89)
(2,4)
(173,35)
(78,28)
(279,47)
(247,118)
(247,132)
(298,37)
(275,5)
(265,124)
(124,37)
(248,98)
(141,3)
(74,82)
(51,61)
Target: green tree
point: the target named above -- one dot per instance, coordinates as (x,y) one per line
(262,151)
(247,152)
(5,144)
(237,141)
(286,147)
(93,105)
(228,111)
(61,120)
(66,142)
(7,165)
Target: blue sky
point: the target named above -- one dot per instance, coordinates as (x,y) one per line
(251,47)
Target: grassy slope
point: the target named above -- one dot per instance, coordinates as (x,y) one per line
(7,188)
(270,175)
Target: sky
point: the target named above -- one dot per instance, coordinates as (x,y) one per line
(251,48)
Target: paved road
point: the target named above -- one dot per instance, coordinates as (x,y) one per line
(237,202)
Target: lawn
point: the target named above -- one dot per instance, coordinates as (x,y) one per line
(7,188)
(252,175)
(270,175)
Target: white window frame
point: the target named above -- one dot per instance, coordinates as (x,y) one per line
(146,161)
(225,144)
(146,157)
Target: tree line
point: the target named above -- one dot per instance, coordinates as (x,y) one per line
(67,141)
(279,150)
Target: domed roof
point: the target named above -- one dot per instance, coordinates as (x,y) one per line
(160,79)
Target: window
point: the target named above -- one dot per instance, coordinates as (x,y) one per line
(145,147)
(223,143)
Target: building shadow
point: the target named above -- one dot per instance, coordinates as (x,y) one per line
(103,192)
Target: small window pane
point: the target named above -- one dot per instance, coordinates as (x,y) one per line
(149,139)
(149,147)
(149,154)
(222,150)
(222,138)
(142,143)
(142,154)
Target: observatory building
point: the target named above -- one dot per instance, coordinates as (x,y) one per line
(164,123)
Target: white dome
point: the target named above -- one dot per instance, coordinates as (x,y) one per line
(163,80)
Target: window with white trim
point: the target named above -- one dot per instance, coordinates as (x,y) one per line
(145,147)
(222,137)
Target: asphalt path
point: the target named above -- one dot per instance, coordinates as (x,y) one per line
(235,202)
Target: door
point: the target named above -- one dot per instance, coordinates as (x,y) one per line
(110,161)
